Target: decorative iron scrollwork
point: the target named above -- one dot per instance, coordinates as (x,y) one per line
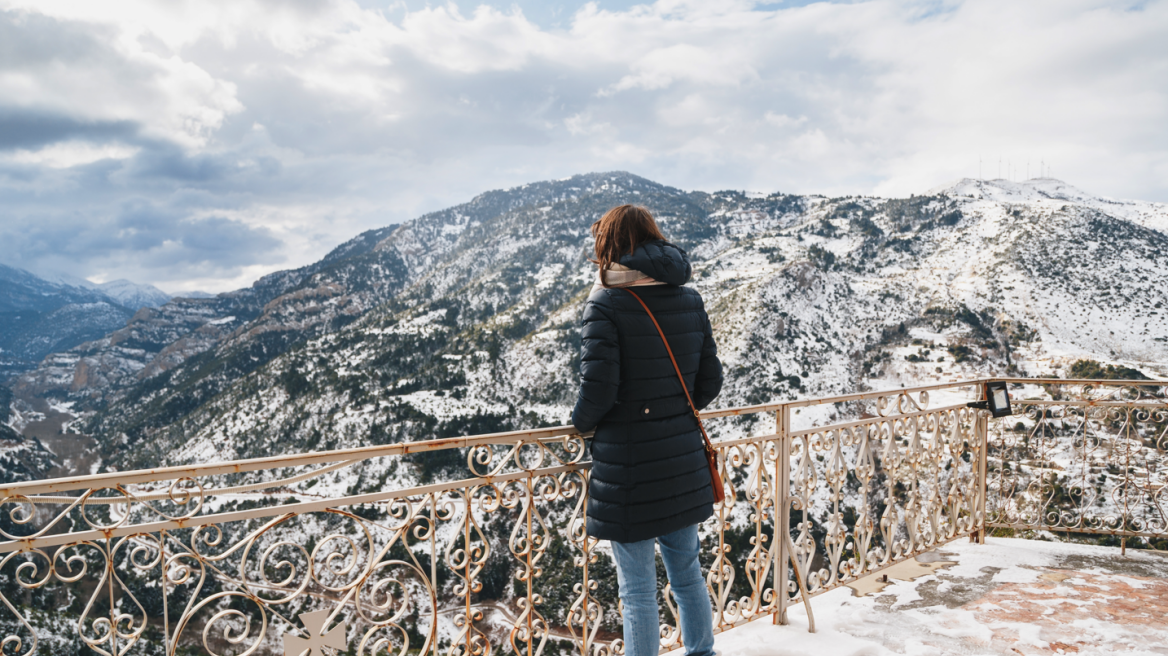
(503,563)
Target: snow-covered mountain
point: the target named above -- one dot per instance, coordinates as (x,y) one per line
(38,317)
(126,293)
(133,295)
(1048,189)
(465,320)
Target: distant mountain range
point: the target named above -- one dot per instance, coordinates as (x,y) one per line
(128,294)
(39,316)
(466,320)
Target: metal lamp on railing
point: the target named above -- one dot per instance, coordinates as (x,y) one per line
(997,400)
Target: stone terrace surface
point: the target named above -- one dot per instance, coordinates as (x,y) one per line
(1007,597)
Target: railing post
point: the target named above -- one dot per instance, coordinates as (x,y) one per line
(782,512)
(983,433)
(165,601)
(433,565)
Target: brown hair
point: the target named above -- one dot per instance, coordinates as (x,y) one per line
(619,232)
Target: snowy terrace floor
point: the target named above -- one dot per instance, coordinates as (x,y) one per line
(1006,597)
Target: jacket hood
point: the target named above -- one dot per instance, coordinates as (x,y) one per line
(660,260)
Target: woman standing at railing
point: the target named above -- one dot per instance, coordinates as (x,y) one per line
(650,481)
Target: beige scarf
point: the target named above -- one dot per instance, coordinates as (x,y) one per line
(622,276)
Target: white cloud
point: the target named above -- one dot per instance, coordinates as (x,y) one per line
(784,121)
(582,124)
(489,40)
(371,117)
(66,154)
(111,76)
(710,67)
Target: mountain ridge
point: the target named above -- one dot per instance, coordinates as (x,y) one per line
(465,319)
(39,317)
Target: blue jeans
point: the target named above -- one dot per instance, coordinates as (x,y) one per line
(636,571)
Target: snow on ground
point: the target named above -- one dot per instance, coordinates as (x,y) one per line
(1006,597)
(65,407)
(445,407)
(548,275)
(419,325)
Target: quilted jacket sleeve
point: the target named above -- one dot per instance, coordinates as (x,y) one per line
(709,379)
(599,364)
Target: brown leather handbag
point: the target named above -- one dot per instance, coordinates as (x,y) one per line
(711,454)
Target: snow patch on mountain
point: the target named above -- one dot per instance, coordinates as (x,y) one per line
(133,295)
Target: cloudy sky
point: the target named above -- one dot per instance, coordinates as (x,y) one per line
(200,144)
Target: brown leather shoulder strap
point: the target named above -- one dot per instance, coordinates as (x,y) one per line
(675,367)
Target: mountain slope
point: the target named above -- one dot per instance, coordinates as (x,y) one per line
(38,317)
(164,340)
(21,458)
(465,320)
(428,254)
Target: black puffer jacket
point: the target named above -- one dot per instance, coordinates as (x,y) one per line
(649,474)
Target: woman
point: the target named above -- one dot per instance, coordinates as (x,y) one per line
(650,482)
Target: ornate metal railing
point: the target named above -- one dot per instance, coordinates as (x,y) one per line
(283,554)
(1085,457)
